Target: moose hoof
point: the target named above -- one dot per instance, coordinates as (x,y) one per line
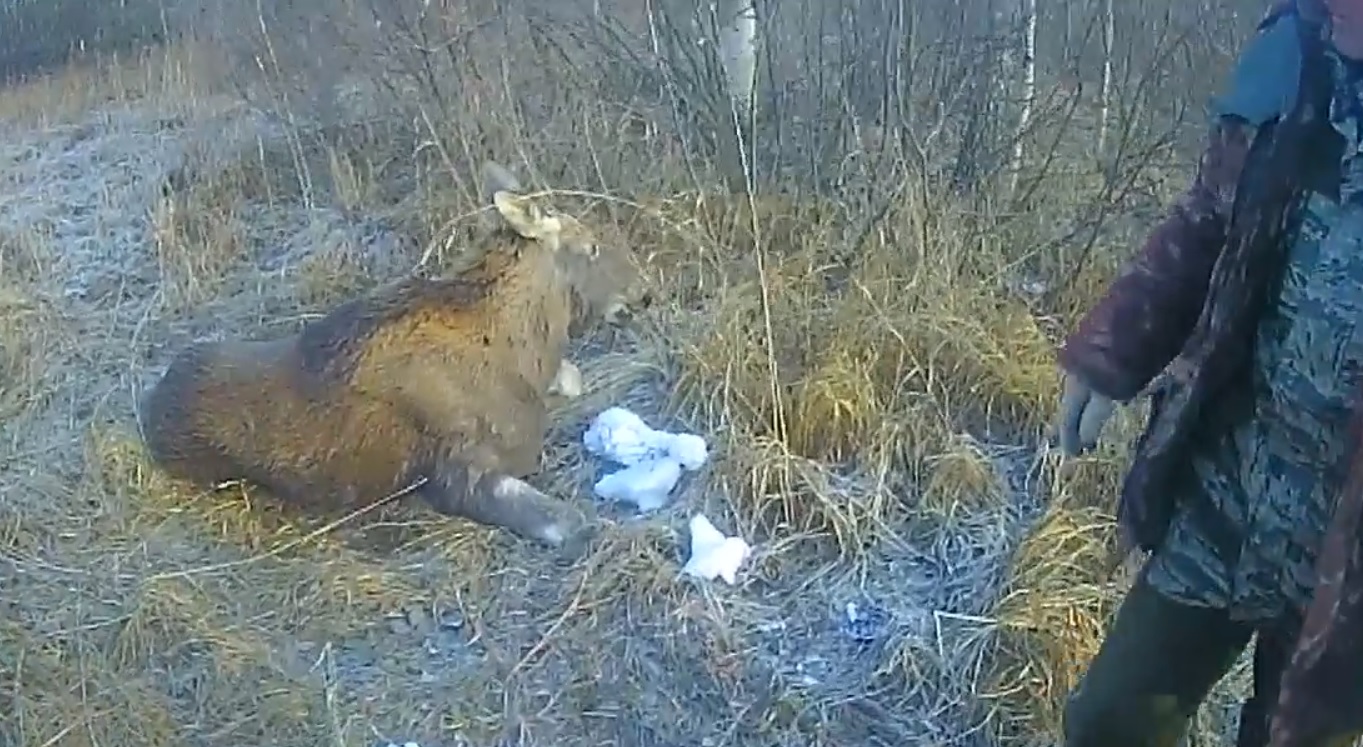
(569,537)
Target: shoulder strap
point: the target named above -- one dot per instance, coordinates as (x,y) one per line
(1323,147)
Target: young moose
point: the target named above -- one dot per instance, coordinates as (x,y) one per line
(442,379)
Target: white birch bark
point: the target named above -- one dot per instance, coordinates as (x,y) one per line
(1105,87)
(738,51)
(1028,86)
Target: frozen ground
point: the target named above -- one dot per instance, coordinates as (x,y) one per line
(618,652)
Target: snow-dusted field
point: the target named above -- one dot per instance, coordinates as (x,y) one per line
(143,615)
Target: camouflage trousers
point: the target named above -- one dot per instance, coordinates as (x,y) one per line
(1157,664)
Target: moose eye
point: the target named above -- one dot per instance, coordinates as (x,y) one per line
(593,251)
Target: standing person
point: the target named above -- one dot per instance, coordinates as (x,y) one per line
(1249,295)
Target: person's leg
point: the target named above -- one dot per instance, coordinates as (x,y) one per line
(1272,651)
(1154,668)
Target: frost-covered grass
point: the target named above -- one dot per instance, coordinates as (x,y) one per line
(876,430)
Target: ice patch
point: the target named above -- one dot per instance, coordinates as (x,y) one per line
(713,554)
(653,459)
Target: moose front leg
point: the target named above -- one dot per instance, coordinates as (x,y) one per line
(495,498)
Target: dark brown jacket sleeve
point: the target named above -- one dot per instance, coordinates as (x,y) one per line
(1129,336)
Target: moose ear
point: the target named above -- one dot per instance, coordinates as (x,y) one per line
(496,178)
(526,218)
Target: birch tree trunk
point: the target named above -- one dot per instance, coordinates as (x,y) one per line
(1069,29)
(738,47)
(1105,87)
(1028,97)
(738,56)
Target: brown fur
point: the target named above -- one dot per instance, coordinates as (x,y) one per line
(442,379)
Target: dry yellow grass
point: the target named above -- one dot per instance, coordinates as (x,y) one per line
(844,393)
(1052,617)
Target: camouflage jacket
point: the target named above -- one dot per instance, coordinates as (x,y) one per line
(1192,301)
(1256,499)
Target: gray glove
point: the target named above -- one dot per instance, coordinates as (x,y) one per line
(1083,413)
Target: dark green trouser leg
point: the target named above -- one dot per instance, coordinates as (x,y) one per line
(1272,653)
(1155,667)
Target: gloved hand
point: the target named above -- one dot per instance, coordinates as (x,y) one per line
(1083,413)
